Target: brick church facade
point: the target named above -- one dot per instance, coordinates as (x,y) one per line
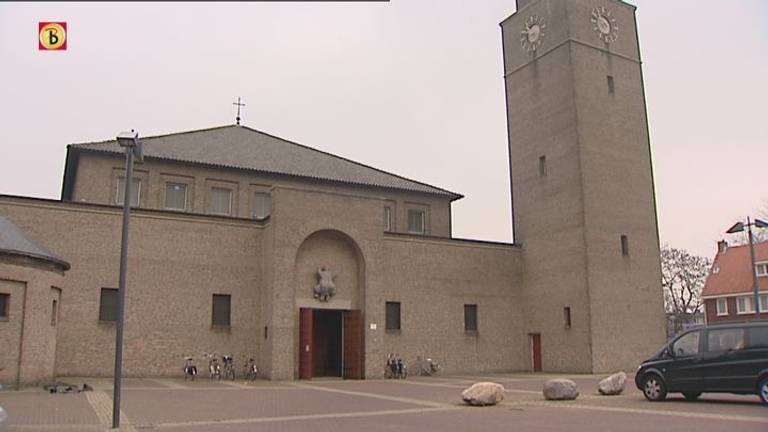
(233,229)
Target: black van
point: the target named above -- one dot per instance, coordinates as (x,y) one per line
(726,358)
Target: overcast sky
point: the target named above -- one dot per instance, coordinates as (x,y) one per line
(413,87)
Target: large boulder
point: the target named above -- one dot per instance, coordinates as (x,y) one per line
(483,393)
(612,385)
(560,389)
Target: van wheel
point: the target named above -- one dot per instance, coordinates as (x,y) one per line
(691,396)
(654,388)
(762,390)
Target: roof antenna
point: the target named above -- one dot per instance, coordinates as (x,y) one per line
(238,109)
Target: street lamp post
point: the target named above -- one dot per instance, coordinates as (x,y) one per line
(739,227)
(133,148)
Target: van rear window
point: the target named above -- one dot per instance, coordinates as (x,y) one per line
(758,337)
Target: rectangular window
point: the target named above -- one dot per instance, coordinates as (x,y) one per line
(262,205)
(542,166)
(763,303)
(392,316)
(722,306)
(416,221)
(725,340)
(761,269)
(221,201)
(744,305)
(5,301)
(176,196)
(470,317)
(611,88)
(758,337)
(221,309)
(54,311)
(624,245)
(388,219)
(567,316)
(135,191)
(108,305)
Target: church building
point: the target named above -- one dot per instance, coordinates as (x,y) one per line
(247,244)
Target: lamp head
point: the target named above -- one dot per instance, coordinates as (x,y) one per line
(760,223)
(127,139)
(737,227)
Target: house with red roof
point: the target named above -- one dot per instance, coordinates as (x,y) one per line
(729,290)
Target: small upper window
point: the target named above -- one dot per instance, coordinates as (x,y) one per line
(416,221)
(722,306)
(567,316)
(176,196)
(470,317)
(135,191)
(108,305)
(761,269)
(54,311)
(387,218)
(611,86)
(221,201)
(687,345)
(542,166)
(624,245)
(262,205)
(744,305)
(221,310)
(5,300)
(725,340)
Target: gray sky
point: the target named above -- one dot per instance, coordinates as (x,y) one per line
(413,87)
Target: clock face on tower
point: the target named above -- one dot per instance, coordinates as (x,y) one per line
(533,32)
(604,24)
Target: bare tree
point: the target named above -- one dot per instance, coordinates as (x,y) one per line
(682,278)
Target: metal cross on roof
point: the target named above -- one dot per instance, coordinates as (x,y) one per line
(238,109)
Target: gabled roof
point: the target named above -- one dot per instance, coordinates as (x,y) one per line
(730,272)
(14,241)
(241,147)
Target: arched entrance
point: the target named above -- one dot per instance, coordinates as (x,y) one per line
(329,297)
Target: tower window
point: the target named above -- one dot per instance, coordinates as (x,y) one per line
(542,166)
(387,219)
(611,88)
(624,245)
(221,310)
(5,299)
(470,318)
(567,316)
(392,316)
(416,221)
(108,305)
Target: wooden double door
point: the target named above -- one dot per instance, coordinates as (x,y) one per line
(330,343)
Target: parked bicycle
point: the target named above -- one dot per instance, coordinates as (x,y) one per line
(427,366)
(214,368)
(190,369)
(250,370)
(229,367)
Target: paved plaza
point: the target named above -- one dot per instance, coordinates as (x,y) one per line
(415,404)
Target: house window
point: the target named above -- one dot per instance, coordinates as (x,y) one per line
(416,221)
(567,316)
(262,205)
(176,196)
(542,166)
(611,88)
(221,201)
(744,305)
(722,306)
(763,303)
(54,311)
(470,317)
(387,219)
(108,305)
(624,245)
(221,310)
(135,191)
(392,316)
(761,269)
(5,300)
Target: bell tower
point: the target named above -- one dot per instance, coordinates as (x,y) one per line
(583,204)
